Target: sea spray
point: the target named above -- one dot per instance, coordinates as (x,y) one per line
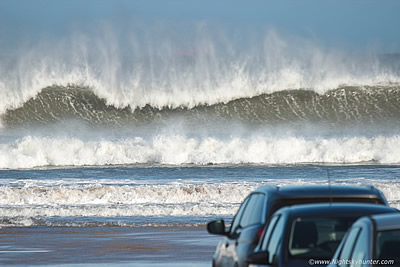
(127,70)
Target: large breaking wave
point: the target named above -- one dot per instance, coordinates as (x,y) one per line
(111,100)
(347,104)
(210,69)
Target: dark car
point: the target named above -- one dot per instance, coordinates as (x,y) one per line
(308,235)
(249,221)
(371,241)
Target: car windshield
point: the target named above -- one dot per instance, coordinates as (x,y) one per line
(316,238)
(387,245)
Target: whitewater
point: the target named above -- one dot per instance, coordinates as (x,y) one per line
(117,130)
(162,195)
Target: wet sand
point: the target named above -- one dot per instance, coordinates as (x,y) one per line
(108,246)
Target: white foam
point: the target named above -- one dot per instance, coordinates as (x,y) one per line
(34,151)
(26,205)
(34,201)
(122,195)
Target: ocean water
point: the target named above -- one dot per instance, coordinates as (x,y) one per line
(111,132)
(157,196)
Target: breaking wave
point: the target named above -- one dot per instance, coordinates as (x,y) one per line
(354,104)
(212,69)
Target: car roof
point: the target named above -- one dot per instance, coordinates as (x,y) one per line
(366,191)
(336,209)
(318,189)
(385,222)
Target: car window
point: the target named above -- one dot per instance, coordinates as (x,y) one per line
(388,245)
(236,219)
(347,249)
(253,212)
(316,237)
(275,239)
(360,249)
(268,232)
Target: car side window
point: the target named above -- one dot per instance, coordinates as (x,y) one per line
(238,216)
(253,213)
(360,249)
(347,249)
(275,240)
(387,245)
(269,230)
(273,237)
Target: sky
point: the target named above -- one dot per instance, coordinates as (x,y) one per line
(342,23)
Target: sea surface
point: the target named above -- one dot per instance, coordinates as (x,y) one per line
(161,195)
(100,133)
(144,215)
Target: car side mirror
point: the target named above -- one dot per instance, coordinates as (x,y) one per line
(259,257)
(217,227)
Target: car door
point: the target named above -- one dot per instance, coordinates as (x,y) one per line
(244,232)
(225,247)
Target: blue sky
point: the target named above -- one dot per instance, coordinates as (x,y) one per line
(342,23)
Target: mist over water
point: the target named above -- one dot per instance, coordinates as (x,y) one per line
(195,95)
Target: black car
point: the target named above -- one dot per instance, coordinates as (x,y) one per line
(247,225)
(308,235)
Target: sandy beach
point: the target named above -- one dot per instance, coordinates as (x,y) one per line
(108,246)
